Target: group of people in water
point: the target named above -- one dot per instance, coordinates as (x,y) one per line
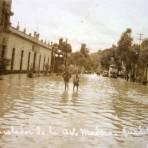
(67,76)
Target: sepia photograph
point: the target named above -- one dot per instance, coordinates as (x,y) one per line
(73,74)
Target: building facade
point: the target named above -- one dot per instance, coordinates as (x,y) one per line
(23,51)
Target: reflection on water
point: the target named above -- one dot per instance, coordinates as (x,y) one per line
(102,103)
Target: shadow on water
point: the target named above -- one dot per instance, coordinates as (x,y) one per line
(64,97)
(113,104)
(74,98)
(75,95)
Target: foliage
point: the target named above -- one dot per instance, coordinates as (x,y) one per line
(60,55)
(124,47)
(64,46)
(82,58)
(133,56)
(96,60)
(144,53)
(84,50)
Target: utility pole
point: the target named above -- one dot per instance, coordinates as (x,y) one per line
(140,38)
(144,79)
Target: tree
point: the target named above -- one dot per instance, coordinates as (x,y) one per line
(134,60)
(95,58)
(82,58)
(124,47)
(144,58)
(144,52)
(66,48)
(106,57)
(84,50)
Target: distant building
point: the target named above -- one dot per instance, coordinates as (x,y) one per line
(5,14)
(25,51)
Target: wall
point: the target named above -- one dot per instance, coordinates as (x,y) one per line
(20,44)
(3,41)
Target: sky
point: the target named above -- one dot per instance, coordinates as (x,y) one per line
(98,23)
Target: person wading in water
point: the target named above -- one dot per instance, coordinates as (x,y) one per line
(66,77)
(76,82)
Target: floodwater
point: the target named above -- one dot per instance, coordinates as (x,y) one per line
(105,113)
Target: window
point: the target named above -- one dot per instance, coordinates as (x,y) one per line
(12,58)
(28,66)
(34,62)
(44,63)
(40,62)
(21,62)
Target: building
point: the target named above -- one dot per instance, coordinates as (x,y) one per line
(24,51)
(5,14)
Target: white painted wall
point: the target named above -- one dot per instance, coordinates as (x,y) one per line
(19,43)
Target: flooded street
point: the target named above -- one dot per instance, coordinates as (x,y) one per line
(41,107)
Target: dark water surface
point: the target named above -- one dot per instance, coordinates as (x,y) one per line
(106,108)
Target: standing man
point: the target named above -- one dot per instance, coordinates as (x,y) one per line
(66,77)
(76,82)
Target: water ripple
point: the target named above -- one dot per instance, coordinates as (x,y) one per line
(111,104)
